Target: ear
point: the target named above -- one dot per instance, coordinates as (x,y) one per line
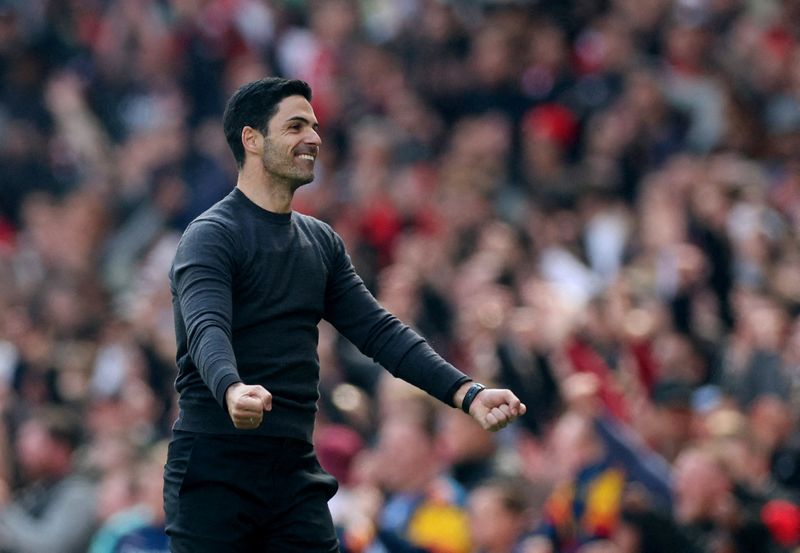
(252,140)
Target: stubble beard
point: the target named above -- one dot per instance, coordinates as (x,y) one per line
(282,169)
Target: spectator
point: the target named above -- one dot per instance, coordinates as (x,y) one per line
(540,188)
(423,504)
(499,516)
(140,527)
(585,505)
(54,510)
(708,512)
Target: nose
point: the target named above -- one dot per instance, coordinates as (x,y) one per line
(313,137)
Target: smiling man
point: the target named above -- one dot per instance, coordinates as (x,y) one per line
(250,282)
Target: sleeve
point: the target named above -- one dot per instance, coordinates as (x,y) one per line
(354,312)
(202,274)
(66,523)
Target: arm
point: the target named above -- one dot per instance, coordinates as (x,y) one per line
(355,313)
(202,274)
(377,333)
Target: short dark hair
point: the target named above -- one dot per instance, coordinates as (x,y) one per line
(512,491)
(253,105)
(61,424)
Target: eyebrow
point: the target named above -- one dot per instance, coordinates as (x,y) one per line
(302,119)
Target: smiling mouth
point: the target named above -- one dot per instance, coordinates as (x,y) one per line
(309,157)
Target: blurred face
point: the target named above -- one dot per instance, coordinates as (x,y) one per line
(114,494)
(151,484)
(292,142)
(405,455)
(770,422)
(493,527)
(571,446)
(34,449)
(462,439)
(699,486)
(675,427)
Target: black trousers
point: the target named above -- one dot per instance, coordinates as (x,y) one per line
(238,493)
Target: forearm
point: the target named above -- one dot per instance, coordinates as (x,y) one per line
(213,355)
(427,370)
(352,309)
(394,345)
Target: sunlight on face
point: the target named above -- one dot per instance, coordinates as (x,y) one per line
(292,142)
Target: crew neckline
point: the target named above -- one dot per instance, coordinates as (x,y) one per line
(270,216)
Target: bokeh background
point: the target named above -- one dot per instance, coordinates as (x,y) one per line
(593,202)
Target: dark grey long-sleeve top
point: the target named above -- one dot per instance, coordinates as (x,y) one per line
(249,288)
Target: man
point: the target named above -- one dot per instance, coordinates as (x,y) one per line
(424,505)
(140,527)
(499,516)
(584,506)
(707,510)
(55,509)
(251,280)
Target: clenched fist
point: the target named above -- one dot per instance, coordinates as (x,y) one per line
(493,408)
(246,404)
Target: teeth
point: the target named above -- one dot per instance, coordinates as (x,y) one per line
(306,156)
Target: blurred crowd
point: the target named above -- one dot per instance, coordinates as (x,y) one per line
(593,202)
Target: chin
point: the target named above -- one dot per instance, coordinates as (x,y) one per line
(300,181)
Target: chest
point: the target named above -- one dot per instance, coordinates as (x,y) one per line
(291,273)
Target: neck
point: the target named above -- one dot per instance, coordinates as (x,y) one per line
(267,193)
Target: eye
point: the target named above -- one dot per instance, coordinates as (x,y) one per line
(294,127)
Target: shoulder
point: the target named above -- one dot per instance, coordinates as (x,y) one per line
(221,218)
(207,241)
(206,238)
(218,225)
(311,222)
(318,230)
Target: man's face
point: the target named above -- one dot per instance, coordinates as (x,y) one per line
(292,142)
(491,523)
(699,485)
(33,448)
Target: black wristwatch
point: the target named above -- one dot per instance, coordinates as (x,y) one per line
(470,396)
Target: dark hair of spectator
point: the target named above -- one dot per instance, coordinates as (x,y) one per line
(62,425)
(253,105)
(513,493)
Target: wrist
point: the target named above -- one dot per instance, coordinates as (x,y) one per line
(472,392)
(458,396)
(231,389)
